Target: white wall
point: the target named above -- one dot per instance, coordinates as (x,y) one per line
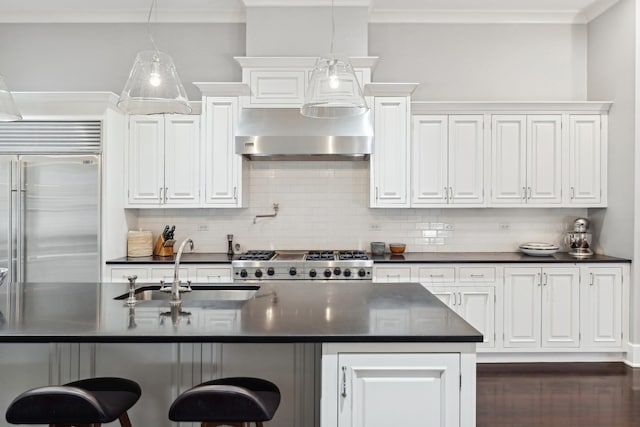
(502,62)
(99,57)
(324,205)
(612,75)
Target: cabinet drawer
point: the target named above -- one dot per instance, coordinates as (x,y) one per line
(119,275)
(166,274)
(436,274)
(392,274)
(213,275)
(477,274)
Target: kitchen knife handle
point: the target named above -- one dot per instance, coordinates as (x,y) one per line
(343,393)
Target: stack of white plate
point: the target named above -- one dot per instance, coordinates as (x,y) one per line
(539,249)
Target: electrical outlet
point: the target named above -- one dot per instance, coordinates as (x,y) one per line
(504,226)
(449,227)
(374,227)
(203,227)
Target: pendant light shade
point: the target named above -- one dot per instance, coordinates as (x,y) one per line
(333,90)
(153,86)
(8,110)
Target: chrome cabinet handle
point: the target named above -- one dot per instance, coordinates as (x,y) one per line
(376,193)
(591,279)
(477,275)
(450,194)
(539,279)
(235,193)
(343,393)
(166,190)
(545,279)
(460,298)
(573,192)
(529,188)
(436,275)
(446,194)
(160,194)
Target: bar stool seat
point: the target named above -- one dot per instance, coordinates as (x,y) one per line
(90,402)
(235,401)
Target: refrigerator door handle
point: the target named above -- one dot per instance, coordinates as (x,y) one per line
(13,212)
(20,220)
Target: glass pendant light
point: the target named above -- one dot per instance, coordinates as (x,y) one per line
(153,86)
(333,90)
(8,110)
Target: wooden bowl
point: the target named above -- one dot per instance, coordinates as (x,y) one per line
(397,248)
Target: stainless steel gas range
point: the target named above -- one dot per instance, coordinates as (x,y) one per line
(255,266)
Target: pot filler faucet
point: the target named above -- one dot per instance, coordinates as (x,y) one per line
(176,288)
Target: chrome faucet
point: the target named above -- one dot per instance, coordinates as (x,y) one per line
(176,288)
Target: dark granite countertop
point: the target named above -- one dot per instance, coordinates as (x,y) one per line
(409,257)
(279,312)
(187,258)
(487,257)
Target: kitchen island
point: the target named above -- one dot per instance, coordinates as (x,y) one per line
(382,346)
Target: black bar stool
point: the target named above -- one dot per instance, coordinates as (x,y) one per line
(235,401)
(90,402)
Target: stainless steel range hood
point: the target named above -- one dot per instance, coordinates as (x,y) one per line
(285,134)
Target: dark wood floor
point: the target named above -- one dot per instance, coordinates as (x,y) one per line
(558,394)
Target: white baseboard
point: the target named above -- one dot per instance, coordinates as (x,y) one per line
(633,355)
(552,357)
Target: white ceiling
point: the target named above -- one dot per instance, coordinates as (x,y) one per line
(469,11)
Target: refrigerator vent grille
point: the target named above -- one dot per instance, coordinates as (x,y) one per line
(49,137)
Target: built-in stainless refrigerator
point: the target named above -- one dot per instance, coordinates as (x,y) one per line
(50,201)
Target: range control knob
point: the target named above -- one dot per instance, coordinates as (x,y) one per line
(292,271)
(312,272)
(347,272)
(243,273)
(271,271)
(337,271)
(362,273)
(258,273)
(327,273)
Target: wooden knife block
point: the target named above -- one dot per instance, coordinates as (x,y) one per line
(163,247)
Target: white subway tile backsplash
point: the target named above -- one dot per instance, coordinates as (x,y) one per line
(325,205)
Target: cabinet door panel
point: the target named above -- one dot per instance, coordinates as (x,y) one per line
(584,159)
(145,174)
(182,158)
(221,162)
(429,159)
(522,307)
(466,154)
(391,158)
(544,159)
(477,306)
(601,305)
(382,390)
(508,157)
(560,307)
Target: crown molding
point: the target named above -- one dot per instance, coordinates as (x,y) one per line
(298,61)
(598,8)
(223,88)
(506,107)
(87,105)
(123,16)
(405,16)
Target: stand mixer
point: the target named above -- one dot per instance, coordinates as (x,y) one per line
(579,240)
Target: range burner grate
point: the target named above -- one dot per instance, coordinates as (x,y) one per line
(256,256)
(350,255)
(320,256)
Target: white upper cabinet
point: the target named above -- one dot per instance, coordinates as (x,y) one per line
(163,161)
(223,168)
(447,160)
(587,160)
(526,156)
(390,162)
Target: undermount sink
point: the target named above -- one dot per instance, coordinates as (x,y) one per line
(197,293)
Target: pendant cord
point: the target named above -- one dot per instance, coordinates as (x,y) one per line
(149,32)
(333,25)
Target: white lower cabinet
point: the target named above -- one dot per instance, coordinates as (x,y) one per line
(381,390)
(601,305)
(197,273)
(476,304)
(541,307)
(392,274)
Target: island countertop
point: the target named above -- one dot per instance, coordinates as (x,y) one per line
(278,312)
